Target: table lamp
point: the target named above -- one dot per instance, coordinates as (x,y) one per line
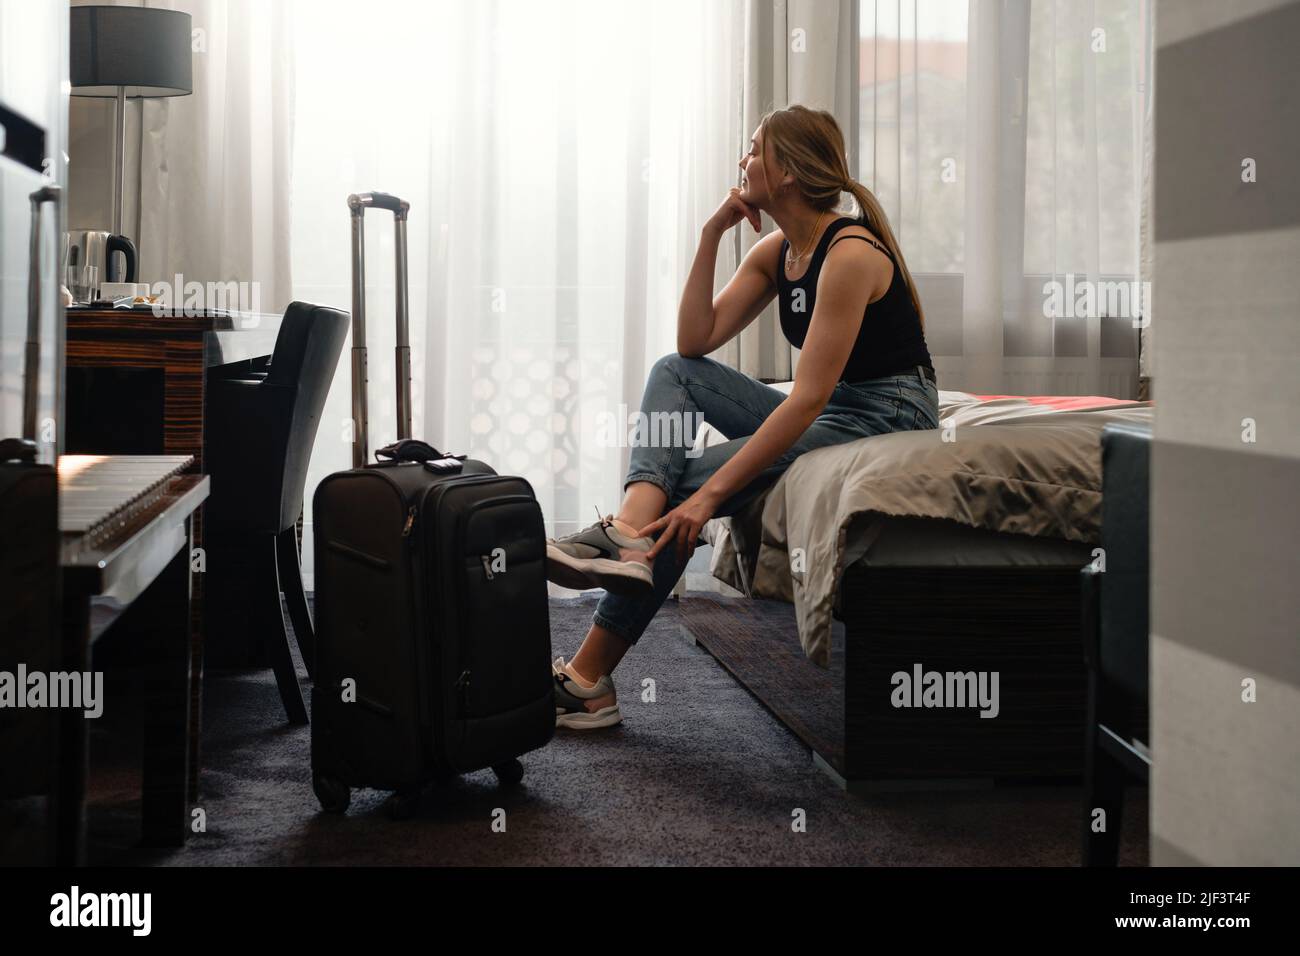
(129,52)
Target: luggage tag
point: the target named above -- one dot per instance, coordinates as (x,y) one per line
(448,465)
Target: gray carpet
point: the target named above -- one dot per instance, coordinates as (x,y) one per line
(702,775)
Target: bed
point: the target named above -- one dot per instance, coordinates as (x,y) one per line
(953,552)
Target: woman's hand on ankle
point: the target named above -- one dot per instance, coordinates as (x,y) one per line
(681,527)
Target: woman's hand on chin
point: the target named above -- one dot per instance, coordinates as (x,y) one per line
(681,527)
(734,209)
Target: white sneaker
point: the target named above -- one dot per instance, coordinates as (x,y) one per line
(600,556)
(583,708)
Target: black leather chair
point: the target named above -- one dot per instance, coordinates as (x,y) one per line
(1116,633)
(262,417)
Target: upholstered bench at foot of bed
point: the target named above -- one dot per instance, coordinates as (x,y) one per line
(1020,622)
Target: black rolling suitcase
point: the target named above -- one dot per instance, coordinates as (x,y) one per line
(432,630)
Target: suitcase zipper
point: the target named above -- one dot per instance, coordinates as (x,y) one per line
(462,682)
(422,626)
(462,527)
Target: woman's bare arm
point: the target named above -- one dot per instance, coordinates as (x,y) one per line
(842,297)
(705,323)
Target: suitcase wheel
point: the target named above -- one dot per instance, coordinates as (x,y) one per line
(403,803)
(334,796)
(509,773)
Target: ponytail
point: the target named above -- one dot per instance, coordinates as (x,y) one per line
(873,217)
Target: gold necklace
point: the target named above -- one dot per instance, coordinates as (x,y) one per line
(789,262)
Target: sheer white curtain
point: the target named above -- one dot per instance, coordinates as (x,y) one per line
(796,51)
(1006,141)
(212,201)
(560,160)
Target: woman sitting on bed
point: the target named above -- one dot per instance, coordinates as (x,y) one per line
(864,369)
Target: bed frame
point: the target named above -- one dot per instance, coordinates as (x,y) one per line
(1022,622)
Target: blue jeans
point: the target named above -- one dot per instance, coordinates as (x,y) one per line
(737,405)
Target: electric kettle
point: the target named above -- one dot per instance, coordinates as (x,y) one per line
(93,247)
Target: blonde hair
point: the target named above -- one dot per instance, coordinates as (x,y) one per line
(809,145)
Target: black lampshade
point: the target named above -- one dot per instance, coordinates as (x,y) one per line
(144,49)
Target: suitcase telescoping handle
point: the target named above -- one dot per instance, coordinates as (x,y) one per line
(357,204)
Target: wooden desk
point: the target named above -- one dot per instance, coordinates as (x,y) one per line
(180,347)
(126,538)
(172,354)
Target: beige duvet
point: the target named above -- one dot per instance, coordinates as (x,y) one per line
(1028,466)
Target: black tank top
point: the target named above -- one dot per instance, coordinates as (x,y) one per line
(890,341)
